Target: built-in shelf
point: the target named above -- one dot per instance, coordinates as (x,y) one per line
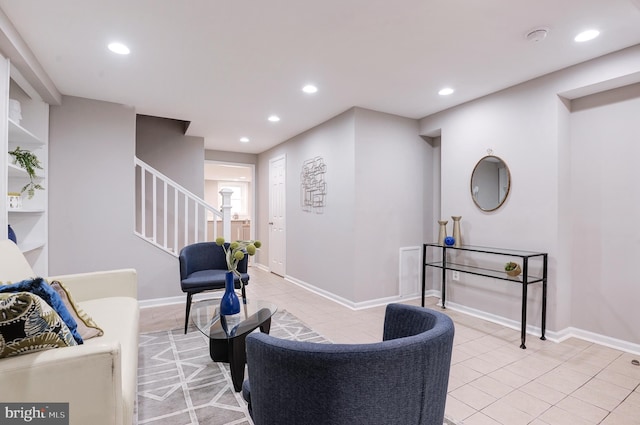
(15,171)
(30,133)
(26,211)
(19,135)
(30,246)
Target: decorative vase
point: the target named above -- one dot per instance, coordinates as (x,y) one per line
(12,235)
(443,231)
(456,231)
(229,303)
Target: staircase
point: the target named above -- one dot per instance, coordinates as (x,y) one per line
(171,217)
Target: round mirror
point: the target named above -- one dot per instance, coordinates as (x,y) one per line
(490,183)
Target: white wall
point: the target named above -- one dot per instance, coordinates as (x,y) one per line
(605,136)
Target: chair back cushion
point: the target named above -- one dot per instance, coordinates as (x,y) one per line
(402,380)
(205,256)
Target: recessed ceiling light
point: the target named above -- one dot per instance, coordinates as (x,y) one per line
(587,35)
(309,88)
(119,48)
(274,118)
(244,139)
(445,91)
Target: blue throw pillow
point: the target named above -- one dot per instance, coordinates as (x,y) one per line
(39,287)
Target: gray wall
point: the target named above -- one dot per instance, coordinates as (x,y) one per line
(531,128)
(378,171)
(161,143)
(392,177)
(319,247)
(605,201)
(91,197)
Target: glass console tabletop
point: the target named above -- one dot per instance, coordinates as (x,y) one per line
(227,334)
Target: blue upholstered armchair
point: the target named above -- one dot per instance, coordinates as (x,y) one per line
(401,380)
(203,267)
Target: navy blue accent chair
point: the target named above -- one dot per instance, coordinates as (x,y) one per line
(401,380)
(203,267)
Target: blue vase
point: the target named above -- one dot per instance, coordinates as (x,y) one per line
(230,303)
(12,235)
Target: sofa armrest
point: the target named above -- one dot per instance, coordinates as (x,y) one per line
(94,285)
(88,377)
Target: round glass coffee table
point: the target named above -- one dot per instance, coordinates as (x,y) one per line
(227,334)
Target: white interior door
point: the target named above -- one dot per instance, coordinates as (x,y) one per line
(277,179)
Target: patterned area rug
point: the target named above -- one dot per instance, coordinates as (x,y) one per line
(179,384)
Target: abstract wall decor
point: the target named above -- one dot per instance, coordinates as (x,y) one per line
(313,188)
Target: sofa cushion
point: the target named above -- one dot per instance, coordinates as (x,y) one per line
(28,324)
(87,327)
(41,288)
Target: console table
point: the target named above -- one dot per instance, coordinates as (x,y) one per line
(524,279)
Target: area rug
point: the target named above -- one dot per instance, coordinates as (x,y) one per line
(179,384)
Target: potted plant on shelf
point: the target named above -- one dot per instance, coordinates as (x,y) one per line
(512,269)
(28,161)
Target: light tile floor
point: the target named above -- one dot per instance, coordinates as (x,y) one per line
(492,380)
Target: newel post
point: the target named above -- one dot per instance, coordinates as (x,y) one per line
(226,213)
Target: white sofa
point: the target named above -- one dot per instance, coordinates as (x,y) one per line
(98,378)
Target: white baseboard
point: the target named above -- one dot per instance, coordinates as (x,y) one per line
(182,299)
(343,301)
(607,341)
(157,302)
(554,336)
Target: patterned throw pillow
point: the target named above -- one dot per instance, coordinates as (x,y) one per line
(87,328)
(41,288)
(28,324)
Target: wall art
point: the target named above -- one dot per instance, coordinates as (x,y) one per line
(313,188)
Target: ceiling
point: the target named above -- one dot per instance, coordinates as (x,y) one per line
(227,172)
(225,66)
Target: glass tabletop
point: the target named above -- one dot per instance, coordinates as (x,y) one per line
(206,317)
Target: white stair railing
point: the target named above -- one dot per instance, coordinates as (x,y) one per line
(170,216)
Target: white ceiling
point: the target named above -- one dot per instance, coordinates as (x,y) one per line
(227,172)
(226,65)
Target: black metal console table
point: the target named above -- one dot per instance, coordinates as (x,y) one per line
(524,279)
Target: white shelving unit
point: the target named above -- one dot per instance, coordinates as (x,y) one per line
(30,223)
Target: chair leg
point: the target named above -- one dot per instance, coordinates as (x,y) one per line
(186,316)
